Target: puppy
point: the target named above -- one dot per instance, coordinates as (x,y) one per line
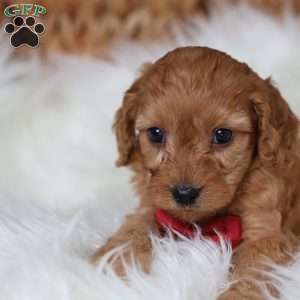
(204,134)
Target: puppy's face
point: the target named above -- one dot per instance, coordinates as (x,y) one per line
(197,149)
(188,128)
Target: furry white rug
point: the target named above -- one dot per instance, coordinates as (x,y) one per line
(60,193)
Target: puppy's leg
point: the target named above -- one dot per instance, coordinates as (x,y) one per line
(264,242)
(135,231)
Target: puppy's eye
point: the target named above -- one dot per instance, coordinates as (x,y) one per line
(222,136)
(156,135)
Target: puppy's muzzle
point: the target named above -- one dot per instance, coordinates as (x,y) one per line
(184,194)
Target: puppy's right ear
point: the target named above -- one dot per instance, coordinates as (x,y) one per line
(124,126)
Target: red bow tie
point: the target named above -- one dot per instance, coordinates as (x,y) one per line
(228,226)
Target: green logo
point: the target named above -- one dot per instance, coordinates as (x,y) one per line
(24,10)
(24,27)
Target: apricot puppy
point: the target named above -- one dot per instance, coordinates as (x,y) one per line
(205,135)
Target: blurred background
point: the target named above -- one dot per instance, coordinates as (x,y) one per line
(89,27)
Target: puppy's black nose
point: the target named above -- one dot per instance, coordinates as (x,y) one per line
(185,194)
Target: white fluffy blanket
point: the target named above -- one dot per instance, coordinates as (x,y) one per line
(60,194)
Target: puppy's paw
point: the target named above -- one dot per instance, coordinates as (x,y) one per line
(250,293)
(122,258)
(230,295)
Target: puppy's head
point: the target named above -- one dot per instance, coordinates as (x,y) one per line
(192,127)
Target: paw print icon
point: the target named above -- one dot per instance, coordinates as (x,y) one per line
(24,31)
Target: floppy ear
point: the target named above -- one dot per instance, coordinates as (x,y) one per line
(124,127)
(124,124)
(277,125)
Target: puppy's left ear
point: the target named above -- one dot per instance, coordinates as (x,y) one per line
(277,125)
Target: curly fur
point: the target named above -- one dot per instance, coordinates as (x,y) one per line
(189,92)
